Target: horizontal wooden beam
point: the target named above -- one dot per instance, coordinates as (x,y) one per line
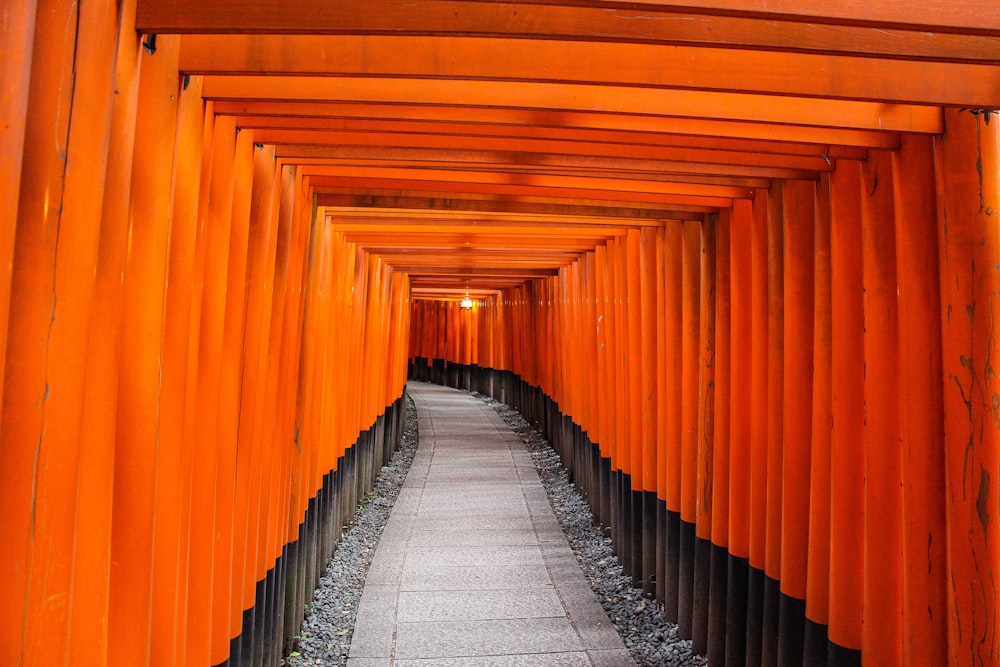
(545,188)
(569,166)
(637,213)
(575,97)
(558,120)
(654,65)
(898,28)
(535,151)
(530,129)
(450,272)
(351,218)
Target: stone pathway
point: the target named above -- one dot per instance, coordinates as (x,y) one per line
(472,569)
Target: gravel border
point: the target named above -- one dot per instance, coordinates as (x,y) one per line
(326,633)
(649,637)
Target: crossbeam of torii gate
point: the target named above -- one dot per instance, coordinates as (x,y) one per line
(703,231)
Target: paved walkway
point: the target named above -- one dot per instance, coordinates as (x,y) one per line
(473,569)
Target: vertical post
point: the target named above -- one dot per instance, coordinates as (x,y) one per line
(881,639)
(17,31)
(718,584)
(776,214)
(921,418)
(760,290)
(818,564)
(798,290)
(49,243)
(690,366)
(847,436)
(88,637)
(741,337)
(968,192)
(175,455)
(705,455)
(134,519)
(673,283)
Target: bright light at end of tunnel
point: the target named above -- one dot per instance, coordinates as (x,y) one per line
(466,303)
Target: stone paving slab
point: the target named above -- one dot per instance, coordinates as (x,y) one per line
(472,569)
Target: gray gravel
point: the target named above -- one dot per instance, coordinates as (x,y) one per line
(329,625)
(326,633)
(652,641)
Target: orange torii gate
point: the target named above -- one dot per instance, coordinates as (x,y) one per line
(738,259)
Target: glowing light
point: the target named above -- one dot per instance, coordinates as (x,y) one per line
(466,303)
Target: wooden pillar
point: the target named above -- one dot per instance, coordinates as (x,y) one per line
(847,436)
(798,297)
(17,31)
(49,238)
(921,418)
(672,367)
(818,565)
(741,268)
(968,193)
(705,432)
(175,455)
(881,638)
(759,305)
(130,621)
(89,641)
(719,504)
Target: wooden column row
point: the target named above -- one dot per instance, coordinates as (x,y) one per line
(804,383)
(181,358)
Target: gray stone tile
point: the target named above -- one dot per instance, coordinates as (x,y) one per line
(576,659)
(595,630)
(464,537)
(614,658)
(481,638)
(425,606)
(375,623)
(497,577)
(387,565)
(509,554)
(369,662)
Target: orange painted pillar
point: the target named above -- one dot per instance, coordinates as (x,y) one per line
(759,409)
(175,455)
(260,273)
(881,639)
(705,432)
(741,388)
(718,503)
(213,254)
(847,392)
(968,192)
(230,494)
(88,637)
(49,251)
(690,371)
(650,314)
(921,421)
(197,464)
(798,235)
(17,31)
(133,528)
(671,448)
(818,565)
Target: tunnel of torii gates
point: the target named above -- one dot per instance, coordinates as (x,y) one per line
(738,259)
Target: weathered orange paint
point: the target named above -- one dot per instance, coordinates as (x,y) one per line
(967,161)
(921,417)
